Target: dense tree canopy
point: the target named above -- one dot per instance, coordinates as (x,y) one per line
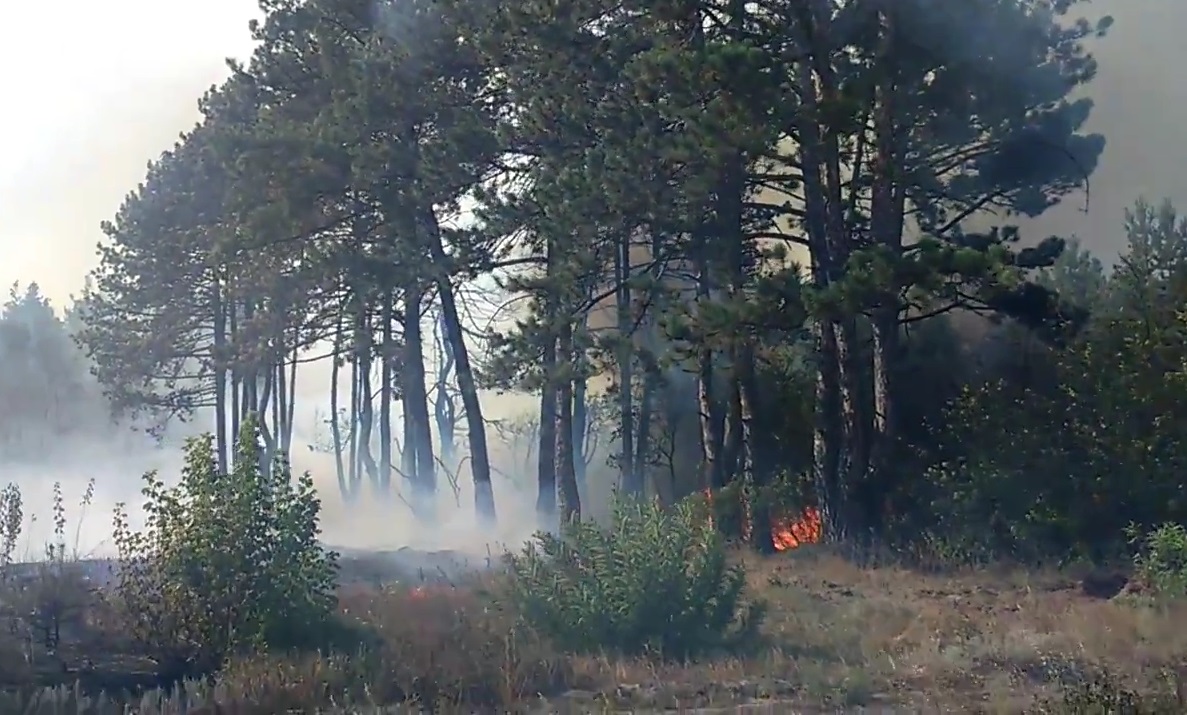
(765,247)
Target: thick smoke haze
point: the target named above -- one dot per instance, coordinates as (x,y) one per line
(93,91)
(1140,103)
(83,114)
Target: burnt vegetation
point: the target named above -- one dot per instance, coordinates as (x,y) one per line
(819,425)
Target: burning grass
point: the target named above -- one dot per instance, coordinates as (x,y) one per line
(836,636)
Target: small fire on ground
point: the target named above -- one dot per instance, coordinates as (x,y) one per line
(787,532)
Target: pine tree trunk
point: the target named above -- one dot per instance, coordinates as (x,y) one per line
(546,468)
(335,426)
(484,496)
(630,482)
(364,357)
(836,419)
(643,439)
(712,421)
(416,403)
(443,406)
(886,213)
(386,377)
(580,426)
(570,497)
(219,358)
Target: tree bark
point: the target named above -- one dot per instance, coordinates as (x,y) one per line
(886,220)
(416,401)
(836,417)
(484,496)
(219,358)
(546,467)
(335,425)
(570,497)
(629,481)
(386,377)
(580,428)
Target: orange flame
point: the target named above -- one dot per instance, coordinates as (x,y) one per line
(789,533)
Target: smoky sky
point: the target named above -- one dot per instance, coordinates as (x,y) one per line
(74,142)
(1140,105)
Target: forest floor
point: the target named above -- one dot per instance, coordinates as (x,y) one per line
(837,638)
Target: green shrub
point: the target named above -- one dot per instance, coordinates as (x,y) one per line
(227,563)
(657,581)
(1161,560)
(1104,695)
(785,494)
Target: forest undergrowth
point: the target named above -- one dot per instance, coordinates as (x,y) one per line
(655,612)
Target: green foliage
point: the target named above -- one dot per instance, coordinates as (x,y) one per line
(657,581)
(11,520)
(1061,446)
(44,383)
(783,496)
(226,563)
(1161,559)
(1104,695)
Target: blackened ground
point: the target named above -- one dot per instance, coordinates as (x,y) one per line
(403,565)
(408,565)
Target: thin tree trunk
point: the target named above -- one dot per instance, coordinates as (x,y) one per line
(484,496)
(651,370)
(753,476)
(335,425)
(734,441)
(290,414)
(886,219)
(236,370)
(264,412)
(836,418)
(444,409)
(631,483)
(643,438)
(580,427)
(274,399)
(354,470)
(219,358)
(712,421)
(570,497)
(366,407)
(546,467)
(285,402)
(386,377)
(251,372)
(416,400)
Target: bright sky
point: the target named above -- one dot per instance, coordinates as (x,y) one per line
(92,90)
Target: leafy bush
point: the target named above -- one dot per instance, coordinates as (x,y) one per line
(785,494)
(657,581)
(12,517)
(1161,560)
(45,602)
(226,563)
(1104,695)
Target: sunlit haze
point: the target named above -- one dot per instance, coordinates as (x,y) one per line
(92,91)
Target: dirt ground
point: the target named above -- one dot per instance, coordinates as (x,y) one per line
(838,638)
(845,638)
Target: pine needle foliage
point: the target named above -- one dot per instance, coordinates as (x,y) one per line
(656,582)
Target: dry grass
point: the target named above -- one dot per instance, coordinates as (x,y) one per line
(838,638)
